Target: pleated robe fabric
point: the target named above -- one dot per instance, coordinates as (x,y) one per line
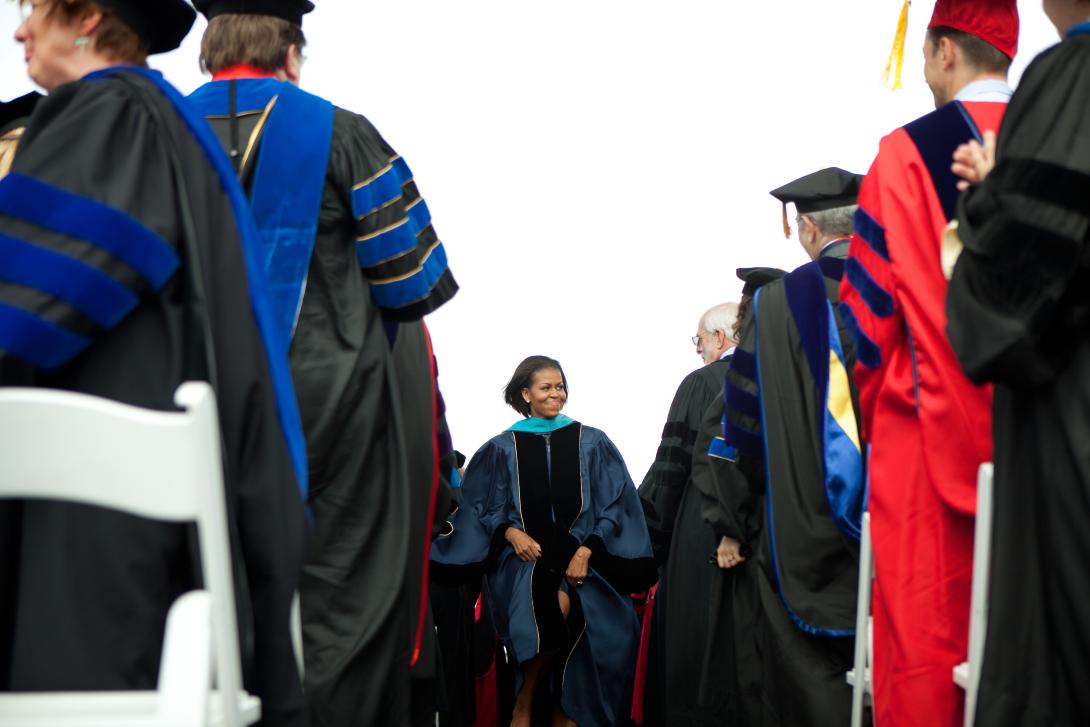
(684,542)
(366,394)
(565,489)
(1019,316)
(114,189)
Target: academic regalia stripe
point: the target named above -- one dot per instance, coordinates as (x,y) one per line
(380,189)
(744,363)
(1048,182)
(871,233)
(743,401)
(679,430)
(41,343)
(397,239)
(398,293)
(866,350)
(52,208)
(874,295)
(87,289)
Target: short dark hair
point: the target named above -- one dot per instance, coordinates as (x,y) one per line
(523,376)
(981,54)
(260,41)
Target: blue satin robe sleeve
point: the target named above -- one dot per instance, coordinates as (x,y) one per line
(618,515)
(487,508)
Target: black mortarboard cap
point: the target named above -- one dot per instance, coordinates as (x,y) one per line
(822,190)
(754,278)
(290,10)
(162,24)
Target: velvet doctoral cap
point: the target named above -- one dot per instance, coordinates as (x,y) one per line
(993,21)
(162,24)
(289,10)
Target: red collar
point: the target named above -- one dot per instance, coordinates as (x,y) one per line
(241,71)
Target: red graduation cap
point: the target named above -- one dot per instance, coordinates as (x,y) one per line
(993,21)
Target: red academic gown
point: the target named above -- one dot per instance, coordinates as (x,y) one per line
(928,427)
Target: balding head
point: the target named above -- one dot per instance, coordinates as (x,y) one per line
(715,331)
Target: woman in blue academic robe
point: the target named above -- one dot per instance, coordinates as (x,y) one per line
(551,517)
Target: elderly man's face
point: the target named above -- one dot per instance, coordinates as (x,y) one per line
(709,345)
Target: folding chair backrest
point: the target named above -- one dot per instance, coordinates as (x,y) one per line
(163,465)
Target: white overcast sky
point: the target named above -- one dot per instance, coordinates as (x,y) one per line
(597,169)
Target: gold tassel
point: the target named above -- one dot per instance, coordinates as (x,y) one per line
(891,78)
(786,227)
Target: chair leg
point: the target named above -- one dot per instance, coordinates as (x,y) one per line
(862,624)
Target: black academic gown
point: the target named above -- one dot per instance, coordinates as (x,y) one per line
(366,395)
(802,574)
(1019,316)
(683,543)
(109,164)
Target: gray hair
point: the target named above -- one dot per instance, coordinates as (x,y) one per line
(721,318)
(836,221)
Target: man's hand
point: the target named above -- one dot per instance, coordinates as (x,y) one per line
(729,553)
(525,547)
(577,568)
(973,162)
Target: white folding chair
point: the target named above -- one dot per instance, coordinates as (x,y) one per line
(861,677)
(160,465)
(967,673)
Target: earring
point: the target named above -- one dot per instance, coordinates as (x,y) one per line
(82,41)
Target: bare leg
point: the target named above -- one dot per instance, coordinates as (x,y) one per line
(565,603)
(531,677)
(562,720)
(524,702)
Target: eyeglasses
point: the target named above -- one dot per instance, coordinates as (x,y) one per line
(696,339)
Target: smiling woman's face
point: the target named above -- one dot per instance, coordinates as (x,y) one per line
(49,44)
(546,394)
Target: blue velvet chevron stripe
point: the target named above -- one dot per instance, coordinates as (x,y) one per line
(36,340)
(744,363)
(401,242)
(936,136)
(92,293)
(117,233)
(86,288)
(866,350)
(871,232)
(737,401)
(874,295)
(286,213)
(260,300)
(381,189)
(411,287)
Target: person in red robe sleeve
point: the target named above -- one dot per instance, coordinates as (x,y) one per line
(928,426)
